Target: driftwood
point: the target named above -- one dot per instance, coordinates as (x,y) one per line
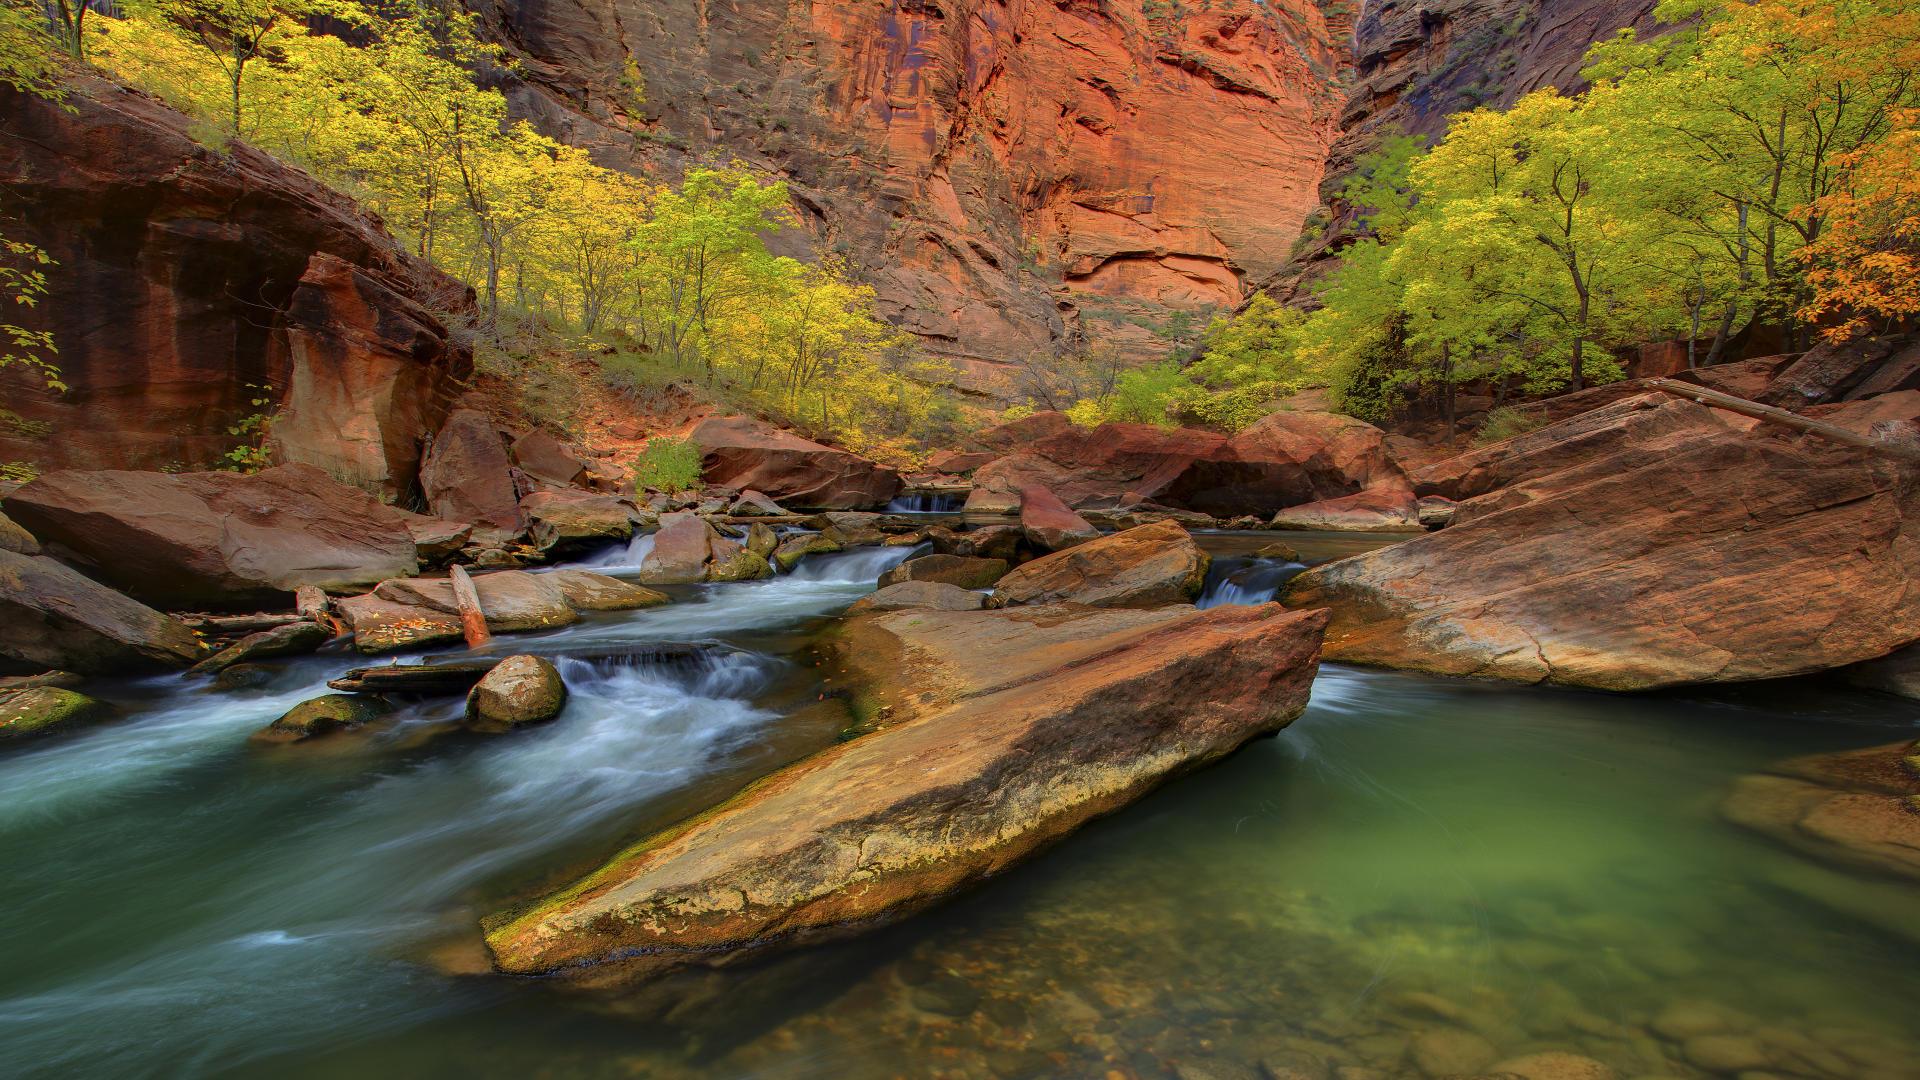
(311,602)
(473,620)
(238,625)
(1831,432)
(457,675)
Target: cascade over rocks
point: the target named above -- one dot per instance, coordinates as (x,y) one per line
(221,539)
(1699,553)
(189,276)
(1147,566)
(53,617)
(1001,759)
(742,453)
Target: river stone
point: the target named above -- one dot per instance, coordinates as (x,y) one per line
(51,616)
(761,539)
(1858,809)
(1726,1053)
(871,830)
(968,573)
(937,595)
(513,600)
(293,639)
(1553,1065)
(1449,1051)
(243,676)
(585,590)
(323,715)
(519,691)
(791,551)
(753,504)
(44,710)
(733,562)
(382,626)
(1048,524)
(16,539)
(680,550)
(1142,567)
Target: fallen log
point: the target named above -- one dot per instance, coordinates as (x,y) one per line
(451,677)
(1772,415)
(238,625)
(473,620)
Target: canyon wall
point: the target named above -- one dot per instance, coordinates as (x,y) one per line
(1013,176)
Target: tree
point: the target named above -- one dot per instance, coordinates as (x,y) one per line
(235,34)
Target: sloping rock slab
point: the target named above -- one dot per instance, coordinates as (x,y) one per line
(513,600)
(904,595)
(883,826)
(1727,557)
(51,616)
(220,539)
(1146,566)
(742,453)
(1377,510)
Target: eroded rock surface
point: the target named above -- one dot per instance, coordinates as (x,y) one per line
(51,616)
(745,454)
(1147,566)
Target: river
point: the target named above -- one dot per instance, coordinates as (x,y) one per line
(1543,869)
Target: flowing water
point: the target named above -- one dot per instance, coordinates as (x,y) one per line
(1517,870)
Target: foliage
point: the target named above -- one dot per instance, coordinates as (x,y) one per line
(1504,423)
(253,431)
(23,279)
(27,61)
(667,464)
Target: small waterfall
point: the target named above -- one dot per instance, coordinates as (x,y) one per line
(1245,580)
(625,556)
(858,567)
(927,502)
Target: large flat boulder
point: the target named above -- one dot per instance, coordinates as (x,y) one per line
(513,600)
(564,520)
(219,539)
(739,452)
(1391,509)
(51,616)
(880,827)
(468,476)
(1147,566)
(1724,556)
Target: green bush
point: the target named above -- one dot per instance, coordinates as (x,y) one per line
(667,464)
(1504,423)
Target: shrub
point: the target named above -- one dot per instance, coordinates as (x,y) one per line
(1504,423)
(667,464)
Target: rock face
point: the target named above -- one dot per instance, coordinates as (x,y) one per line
(1003,762)
(187,277)
(1712,556)
(992,163)
(219,539)
(469,477)
(519,691)
(744,453)
(1858,810)
(52,617)
(1148,566)
(1855,369)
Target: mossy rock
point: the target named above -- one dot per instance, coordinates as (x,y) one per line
(789,554)
(323,715)
(43,710)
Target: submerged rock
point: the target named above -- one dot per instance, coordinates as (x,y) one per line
(323,715)
(293,639)
(44,710)
(877,828)
(1857,809)
(519,691)
(1146,566)
(51,616)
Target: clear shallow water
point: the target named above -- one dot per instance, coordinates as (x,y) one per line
(1548,866)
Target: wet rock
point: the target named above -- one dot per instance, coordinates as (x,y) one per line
(585,590)
(1047,523)
(1375,510)
(967,573)
(1726,1053)
(434,678)
(293,639)
(570,520)
(1553,1065)
(853,835)
(742,453)
(762,540)
(734,562)
(545,458)
(467,476)
(51,616)
(220,539)
(755,504)
(382,626)
(519,691)
(988,542)
(1439,1052)
(45,710)
(323,715)
(244,677)
(16,539)
(680,550)
(1858,809)
(513,600)
(919,594)
(1144,567)
(792,550)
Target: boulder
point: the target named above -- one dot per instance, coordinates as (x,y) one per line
(44,710)
(1385,509)
(382,626)
(51,616)
(877,828)
(955,462)
(293,639)
(937,595)
(513,600)
(762,540)
(437,539)
(1715,556)
(1858,809)
(1148,566)
(568,520)
(755,504)
(1048,525)
(680,550)
(1896,673)
(793,549)
(323,715)
(968,573)
(468,476)
(743,453)
(988,542)
(1857,368)
(519,691)
(585,590)
(544,458)
(219,539)
(16,539)
(736,562)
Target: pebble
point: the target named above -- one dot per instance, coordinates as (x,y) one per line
(1726,1053)
(1449,1051)
(1554,1065)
